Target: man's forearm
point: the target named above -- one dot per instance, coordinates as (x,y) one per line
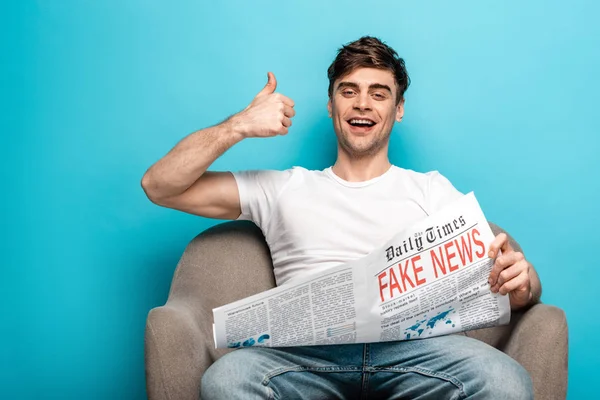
(189,159)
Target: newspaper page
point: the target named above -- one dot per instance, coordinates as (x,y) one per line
(428,280)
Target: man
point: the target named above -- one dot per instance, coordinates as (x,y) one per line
(313,220)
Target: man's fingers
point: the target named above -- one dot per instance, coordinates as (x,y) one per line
(520,282)
(506,260)
(286,100)
(270,86)
(506,275)
(286,122)
(499,243)
(288,111)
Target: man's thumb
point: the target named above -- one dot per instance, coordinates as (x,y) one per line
(270,86)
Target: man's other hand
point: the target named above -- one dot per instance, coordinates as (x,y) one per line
(269,114)
(510,273)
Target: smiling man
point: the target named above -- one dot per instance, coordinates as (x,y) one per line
(313,220)
(363,107)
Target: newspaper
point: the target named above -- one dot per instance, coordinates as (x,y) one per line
(428,280)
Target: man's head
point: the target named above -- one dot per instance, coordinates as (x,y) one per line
(367,81)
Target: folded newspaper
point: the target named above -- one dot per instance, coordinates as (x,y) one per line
(428,280)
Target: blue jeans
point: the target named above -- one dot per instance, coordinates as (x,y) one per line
(445,367)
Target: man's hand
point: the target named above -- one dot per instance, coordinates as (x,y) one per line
(269,114)
(511,273)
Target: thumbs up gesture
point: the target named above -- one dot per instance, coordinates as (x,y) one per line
(269,113)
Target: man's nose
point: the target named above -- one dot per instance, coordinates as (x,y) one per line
(362,101)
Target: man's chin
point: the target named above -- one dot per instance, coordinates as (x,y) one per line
(358,147)
(358,151)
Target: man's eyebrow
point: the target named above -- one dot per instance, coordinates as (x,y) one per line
(346,84)
(353,85)
(380,86)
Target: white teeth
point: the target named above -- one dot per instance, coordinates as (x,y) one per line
(361,122)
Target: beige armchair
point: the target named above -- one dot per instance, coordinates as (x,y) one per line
(231,261)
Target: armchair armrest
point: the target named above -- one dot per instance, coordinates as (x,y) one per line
(539,342)
(225,263)
(537,338)
(176,351)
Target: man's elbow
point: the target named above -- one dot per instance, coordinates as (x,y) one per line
(150,189)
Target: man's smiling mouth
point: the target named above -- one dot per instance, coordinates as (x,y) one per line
(361,122)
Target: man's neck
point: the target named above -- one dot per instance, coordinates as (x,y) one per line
(360,170)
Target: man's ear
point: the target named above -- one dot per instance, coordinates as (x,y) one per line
(400,111)
(329,107)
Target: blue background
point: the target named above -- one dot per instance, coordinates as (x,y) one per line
(503,101)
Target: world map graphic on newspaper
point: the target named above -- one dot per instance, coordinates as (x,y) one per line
(429,325)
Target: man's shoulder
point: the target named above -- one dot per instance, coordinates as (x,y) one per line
(417,176)
(286,171)
(303,173)
(278,177)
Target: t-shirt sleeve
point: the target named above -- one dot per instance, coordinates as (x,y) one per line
(441,192)
(259,191)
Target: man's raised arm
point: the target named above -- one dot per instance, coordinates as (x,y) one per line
(179,180)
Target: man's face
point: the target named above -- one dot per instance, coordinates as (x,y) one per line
(363,108)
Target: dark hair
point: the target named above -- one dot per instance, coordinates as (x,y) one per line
(369,52)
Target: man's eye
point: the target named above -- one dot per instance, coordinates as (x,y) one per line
(348,92)
(380,95)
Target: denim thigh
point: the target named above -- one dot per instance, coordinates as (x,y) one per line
(309,372)
(446,367)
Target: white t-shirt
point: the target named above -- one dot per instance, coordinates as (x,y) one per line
(314,220)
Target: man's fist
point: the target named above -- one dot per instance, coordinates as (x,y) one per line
(269,114)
